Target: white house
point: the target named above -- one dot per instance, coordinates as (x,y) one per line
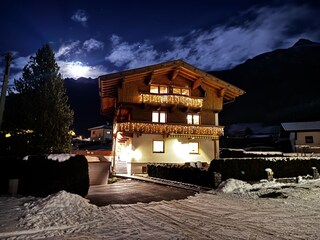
(304,136)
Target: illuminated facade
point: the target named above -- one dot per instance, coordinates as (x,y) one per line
(165,113)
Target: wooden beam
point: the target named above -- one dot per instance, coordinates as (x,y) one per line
(148,80)
(221,92)
(174,74)
(197,83)
(121,82)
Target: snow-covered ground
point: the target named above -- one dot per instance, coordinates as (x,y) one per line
(237,210)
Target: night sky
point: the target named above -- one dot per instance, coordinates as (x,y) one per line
(91,38)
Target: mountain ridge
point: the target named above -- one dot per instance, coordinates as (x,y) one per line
(280,86)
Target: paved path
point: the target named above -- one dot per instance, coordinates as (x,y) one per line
(127,191)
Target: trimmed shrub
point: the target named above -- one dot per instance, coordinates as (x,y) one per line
(185,174)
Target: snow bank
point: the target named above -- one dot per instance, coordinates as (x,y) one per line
(56,157)
(60,157)
(62,208)
(234,185)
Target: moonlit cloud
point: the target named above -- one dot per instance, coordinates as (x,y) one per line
(67,49)
(19,62)
(225,46)
(131,55)
(92,45)
(80,16)
(76,69)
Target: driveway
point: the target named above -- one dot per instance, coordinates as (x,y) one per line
(127,191)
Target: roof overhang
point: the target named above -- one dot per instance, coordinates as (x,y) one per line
(108,84)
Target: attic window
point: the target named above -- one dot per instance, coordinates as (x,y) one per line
(181,91)
(162,89)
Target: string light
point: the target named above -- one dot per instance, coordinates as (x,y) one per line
(172,99)
(172,129)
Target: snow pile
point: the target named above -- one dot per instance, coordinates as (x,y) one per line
(62,208)
(56,157)
(60,157)
(271,189)
(233,185)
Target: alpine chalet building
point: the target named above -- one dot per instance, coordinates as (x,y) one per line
(164,113)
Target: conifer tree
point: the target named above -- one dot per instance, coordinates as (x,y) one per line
(43,103)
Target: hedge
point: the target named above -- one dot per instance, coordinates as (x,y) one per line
(246,169)
(40,176)
(253,169)
(180,173)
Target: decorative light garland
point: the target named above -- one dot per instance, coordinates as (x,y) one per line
(173,129)
(172,99)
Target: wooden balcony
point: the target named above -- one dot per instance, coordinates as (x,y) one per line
(171,130)
(170,99)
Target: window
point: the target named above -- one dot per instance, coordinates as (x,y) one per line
(158,146)
(309,139)
(193,147)
(193,119)
(159,117)
(181,91)
(162,89)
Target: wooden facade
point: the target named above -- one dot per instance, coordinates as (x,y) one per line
(171,100)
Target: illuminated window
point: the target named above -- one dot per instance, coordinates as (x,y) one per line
(176,90)
(154,89)
(309,139)
(181,91)
(185,91)
(193,147)
(162,89)
(158,146)
(193,119)
(160,117)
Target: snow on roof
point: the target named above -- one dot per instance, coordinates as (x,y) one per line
(301,126)
(101,126)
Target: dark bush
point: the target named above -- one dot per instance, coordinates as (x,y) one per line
(253,169)
(40,176)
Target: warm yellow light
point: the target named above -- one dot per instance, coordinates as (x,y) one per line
(156,128)
(72,133)
(8,135)
(137,155)
(172,99)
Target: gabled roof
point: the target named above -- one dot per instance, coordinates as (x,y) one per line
(109,83)
(301,126)
(100,127)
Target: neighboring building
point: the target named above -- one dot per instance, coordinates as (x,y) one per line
(304,136)
(165,113)
(101,133)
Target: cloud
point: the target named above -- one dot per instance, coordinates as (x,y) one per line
(131,55)
(76,69)
(19,62)
(80,16)
(67,49)
(92,44)
(258,30)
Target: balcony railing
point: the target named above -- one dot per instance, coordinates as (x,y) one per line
(171,129)
(172,100)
